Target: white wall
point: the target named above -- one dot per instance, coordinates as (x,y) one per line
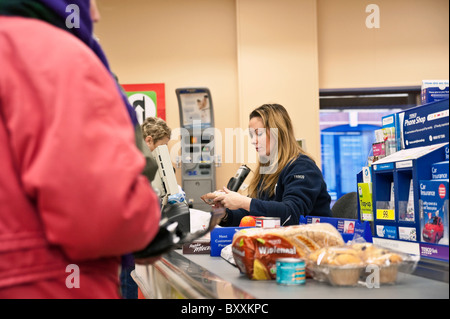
(250,52)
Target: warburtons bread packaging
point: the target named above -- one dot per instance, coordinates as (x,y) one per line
(256,250)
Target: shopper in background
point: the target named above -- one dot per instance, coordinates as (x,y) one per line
(72,196)
(287,183)
(155,132)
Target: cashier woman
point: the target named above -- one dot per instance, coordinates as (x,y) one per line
(287,182)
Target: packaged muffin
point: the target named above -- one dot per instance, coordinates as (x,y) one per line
(356,263)
(387,261)
(340,266)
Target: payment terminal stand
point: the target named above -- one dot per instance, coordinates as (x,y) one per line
(198,160)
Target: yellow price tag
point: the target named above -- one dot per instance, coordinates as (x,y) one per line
(387,214)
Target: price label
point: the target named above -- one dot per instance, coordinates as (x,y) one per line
(386,214)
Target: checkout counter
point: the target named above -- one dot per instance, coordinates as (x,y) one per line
(190,276)
(200,276)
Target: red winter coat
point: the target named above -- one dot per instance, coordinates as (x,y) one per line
(71,189)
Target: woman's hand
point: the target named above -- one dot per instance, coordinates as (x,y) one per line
(233,200)
(219,212)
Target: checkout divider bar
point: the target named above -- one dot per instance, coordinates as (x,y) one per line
(175,276)
(162,273)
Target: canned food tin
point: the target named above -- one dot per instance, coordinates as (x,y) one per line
(267,222)
(290,271)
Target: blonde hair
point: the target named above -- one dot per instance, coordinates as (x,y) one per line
(275,116)
(156,128)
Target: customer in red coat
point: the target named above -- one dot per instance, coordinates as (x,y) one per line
(72,196)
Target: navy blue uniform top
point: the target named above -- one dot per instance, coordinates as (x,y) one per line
(300,190)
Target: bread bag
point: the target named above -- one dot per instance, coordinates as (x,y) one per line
(255,250)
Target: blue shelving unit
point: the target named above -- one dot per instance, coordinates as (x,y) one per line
(423,132)
(391,221)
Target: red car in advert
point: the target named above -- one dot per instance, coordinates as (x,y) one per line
(433,230)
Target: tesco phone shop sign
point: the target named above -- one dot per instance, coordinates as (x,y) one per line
(426,124)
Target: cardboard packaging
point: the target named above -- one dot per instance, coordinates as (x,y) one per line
(434,90)
(434,211)
(439,170)
(197,247)
(425,125)
(365,201)
(221,237)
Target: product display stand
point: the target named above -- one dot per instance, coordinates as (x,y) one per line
(398,193)
(397,217)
